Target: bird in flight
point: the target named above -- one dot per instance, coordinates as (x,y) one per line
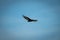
(28,19)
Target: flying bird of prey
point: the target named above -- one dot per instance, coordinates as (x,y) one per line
(28,19)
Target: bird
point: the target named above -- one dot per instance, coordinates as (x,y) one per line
(29,19)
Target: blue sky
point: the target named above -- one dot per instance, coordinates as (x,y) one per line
(13,25)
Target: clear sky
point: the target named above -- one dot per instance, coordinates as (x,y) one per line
(14,26)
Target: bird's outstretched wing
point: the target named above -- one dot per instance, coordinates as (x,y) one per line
(28,19)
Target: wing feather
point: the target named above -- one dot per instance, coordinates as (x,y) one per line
(27,18)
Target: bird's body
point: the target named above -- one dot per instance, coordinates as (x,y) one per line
(28,19)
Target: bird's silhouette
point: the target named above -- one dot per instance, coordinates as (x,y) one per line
(28,19)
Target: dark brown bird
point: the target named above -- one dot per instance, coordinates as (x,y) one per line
(28,19)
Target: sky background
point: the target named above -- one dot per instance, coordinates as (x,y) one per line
(14,27)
